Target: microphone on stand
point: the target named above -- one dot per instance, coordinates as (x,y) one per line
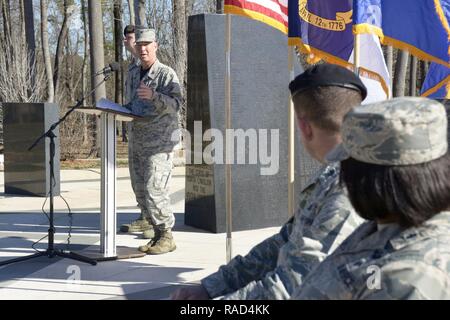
(112,67)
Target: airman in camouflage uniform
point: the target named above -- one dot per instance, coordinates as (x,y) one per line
(154,93)
(277,266)
(141,224)
(387,260)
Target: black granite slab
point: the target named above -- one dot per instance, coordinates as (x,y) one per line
(260,96)
(28,172)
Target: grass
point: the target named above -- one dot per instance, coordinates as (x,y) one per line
(89,164)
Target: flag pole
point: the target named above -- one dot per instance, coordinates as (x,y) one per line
(229,153)
(356,59)
(291,133)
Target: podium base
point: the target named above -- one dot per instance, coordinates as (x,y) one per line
(122,253)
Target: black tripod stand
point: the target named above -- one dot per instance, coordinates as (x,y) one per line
(51,252)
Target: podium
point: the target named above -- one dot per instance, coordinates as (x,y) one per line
(109,113)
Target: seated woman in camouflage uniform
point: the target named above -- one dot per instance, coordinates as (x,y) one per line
(396,167)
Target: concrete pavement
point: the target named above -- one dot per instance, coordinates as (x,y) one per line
(151,277)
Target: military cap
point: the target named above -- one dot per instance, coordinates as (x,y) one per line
(401,131)
(327,75)
(145,35)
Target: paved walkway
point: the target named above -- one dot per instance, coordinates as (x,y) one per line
(151,277)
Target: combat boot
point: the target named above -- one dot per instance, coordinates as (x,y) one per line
(149,233)
(139,225)
(162,243)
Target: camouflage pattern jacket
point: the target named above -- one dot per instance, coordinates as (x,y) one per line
(276,266)
(153,133)
(386,263)
(135,63)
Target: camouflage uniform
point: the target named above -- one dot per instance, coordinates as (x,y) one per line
(412,264)
(150,144)
(387,261)
(135,64)
(276,266)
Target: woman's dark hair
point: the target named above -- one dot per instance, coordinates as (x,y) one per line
(411,193)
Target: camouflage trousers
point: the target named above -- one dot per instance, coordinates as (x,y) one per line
(150,175)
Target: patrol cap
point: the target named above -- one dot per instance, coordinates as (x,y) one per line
(145,35)
(401,131)
(327,75)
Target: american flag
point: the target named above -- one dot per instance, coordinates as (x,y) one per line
(271,12)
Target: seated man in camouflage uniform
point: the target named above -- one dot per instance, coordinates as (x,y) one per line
(274,268)
(396,170)
(155,94)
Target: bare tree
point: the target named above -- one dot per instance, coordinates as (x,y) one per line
(179,46)
(423,71)
(400,73)
(189,8)
(84,68)
(390,61)
(69,9)
(179,39)
(46,51)
(219,6)
(29,29)
(413,77)
(118,47)
(140,10)
(97,55)
(132,12)
(16,82)
(6,14)
(22,20)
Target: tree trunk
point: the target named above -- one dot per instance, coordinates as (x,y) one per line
(423,71)
(400,73)
(132,12)
(29,29)
(413,77)
(97,57)
(22,20)
(84,69)
(30,38)
(118,45)
(6,20)
(219,6)
(390,62)
(189,8)
(154,23)
(179,36)
(139,8)
(46,51)
(68,10)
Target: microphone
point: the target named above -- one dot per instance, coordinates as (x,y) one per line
(112,67)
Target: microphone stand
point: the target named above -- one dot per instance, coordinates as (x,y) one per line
(51,252)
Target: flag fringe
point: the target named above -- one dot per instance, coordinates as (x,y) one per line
(307,49)
(371,29)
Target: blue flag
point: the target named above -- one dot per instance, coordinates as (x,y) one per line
(323,30)
(437,82)
(418,26)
